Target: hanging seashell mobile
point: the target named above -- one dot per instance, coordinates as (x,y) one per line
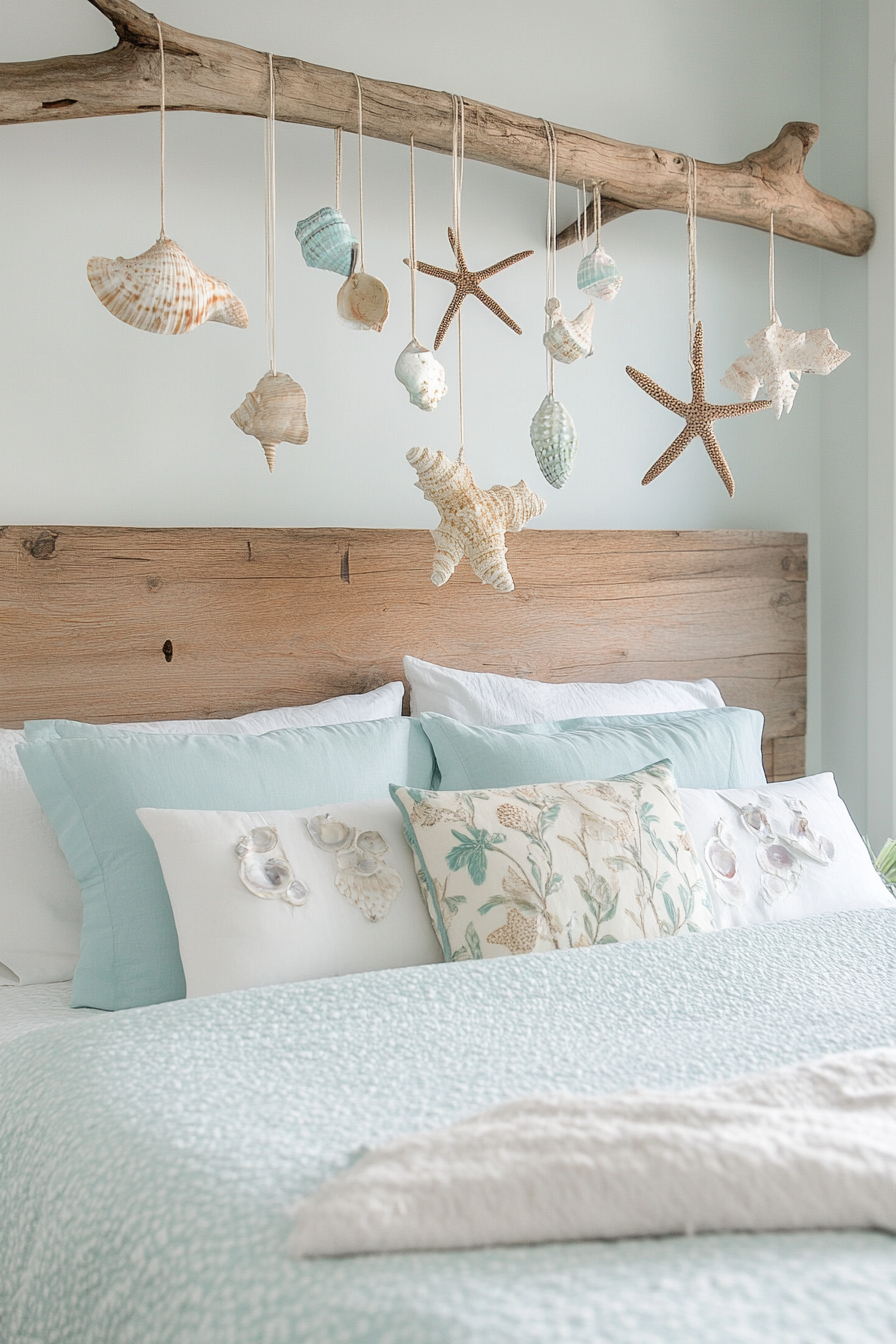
(274,412)
(698,414)
(161,291)
(779,357)
(598,274)
(417,368)
(363,301)
(552,433)
(472,521)
(325,237)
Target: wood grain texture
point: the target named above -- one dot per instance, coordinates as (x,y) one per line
(204,74)
(115,624)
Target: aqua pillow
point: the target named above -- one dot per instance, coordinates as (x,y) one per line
(90,788)
(708,748)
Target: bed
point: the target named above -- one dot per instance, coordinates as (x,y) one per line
(150,1159)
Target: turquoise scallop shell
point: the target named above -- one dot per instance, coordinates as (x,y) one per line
(598,275)
(555,441)
(327,241)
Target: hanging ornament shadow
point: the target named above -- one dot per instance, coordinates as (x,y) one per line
(778,356)
(417,368)
(274,412)
(161,291)
(473,521)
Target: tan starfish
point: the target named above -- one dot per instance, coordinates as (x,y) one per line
(698,413)
(518,934)
(467,282)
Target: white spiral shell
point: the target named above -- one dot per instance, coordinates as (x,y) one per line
(421,373)
(569,338)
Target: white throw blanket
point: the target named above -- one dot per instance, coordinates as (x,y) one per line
(808,1146)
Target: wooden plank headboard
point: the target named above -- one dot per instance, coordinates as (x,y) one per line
(117,623)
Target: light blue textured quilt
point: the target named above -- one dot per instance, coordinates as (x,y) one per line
(149,1161)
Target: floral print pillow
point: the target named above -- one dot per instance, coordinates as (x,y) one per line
(504,871)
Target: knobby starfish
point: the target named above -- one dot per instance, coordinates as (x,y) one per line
(698,413)
(467,282)
(778,358)
(473,521)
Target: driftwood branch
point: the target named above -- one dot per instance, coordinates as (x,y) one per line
(207,75)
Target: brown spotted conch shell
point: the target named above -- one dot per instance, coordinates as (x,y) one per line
(363,302)
(274,413)
(568,338)
(163,292)
(473,521)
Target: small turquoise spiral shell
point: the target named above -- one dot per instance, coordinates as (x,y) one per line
(598,275)
(327,241)
(555,441)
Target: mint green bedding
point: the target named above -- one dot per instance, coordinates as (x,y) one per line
(149,1161)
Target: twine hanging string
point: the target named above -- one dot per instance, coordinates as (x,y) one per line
(337,136)
(457,180)
(596,209)
(692,258)
(412,248)
(360,173)
(550,244)
(162,126)
(772,310)
(270,219)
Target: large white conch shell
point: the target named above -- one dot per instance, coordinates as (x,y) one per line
(274,413)
(422,374)
(163,292)
(363,302)
(473,521)
(568,338)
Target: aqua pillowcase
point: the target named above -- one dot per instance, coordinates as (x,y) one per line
(90,787)
(708,749)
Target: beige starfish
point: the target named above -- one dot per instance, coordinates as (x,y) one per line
(467,282)
(698,413)
(518,935)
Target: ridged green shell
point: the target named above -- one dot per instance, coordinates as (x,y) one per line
(598,275)
(555,441)
(327,241)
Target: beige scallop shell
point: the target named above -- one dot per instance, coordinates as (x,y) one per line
(569,338)
(363,302)
(163,292)
(274,413)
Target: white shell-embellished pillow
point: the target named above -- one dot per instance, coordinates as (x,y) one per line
(265,898)
(784,851)
(550,866)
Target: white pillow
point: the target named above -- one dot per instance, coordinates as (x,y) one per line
(487,699)
(40,903)
(783,851)
(323,916)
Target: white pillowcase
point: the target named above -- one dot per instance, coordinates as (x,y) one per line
(783,851)
(383,703)
(487,699)
(40,902)
(300,924)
